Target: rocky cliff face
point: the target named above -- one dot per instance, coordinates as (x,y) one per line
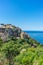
(21,51)
(9,30)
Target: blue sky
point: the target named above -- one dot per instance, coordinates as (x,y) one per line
(26,14)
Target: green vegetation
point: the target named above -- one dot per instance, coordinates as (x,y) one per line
(17,48)
(21,52)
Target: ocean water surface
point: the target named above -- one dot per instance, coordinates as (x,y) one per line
(37,35)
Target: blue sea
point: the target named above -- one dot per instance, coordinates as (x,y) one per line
(37,35)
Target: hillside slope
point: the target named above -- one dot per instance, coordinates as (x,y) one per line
(17,48)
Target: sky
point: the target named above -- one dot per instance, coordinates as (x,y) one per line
(26,14)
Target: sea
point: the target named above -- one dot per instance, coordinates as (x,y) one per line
(37,35)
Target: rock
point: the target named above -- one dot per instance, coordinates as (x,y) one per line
(9,30)
(23,50)
(24,35)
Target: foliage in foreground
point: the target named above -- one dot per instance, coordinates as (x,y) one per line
(21,52)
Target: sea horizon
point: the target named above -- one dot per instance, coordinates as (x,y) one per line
(34,30)
(36,35)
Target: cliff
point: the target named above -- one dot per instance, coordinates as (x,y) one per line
(18,48)
(9,30)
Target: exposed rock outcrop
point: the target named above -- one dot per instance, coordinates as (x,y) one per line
(10,30)
(24,35)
